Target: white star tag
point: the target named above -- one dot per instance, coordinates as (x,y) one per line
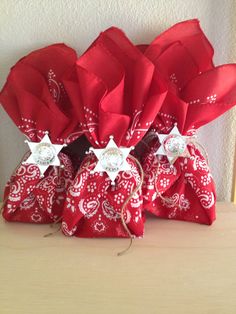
(112,159)
(44,153)
(173,145)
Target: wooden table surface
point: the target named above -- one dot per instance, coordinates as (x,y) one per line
(177,268)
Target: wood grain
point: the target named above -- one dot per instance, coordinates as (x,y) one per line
(176,268)
(234,179)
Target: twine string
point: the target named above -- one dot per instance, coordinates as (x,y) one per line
(52,233)
(131,237)
(52,225)
(201,148)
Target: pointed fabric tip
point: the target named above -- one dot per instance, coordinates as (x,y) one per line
(34,94)
(116,80)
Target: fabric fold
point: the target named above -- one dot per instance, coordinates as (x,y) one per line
(198,93)
(120,96)
(35,98)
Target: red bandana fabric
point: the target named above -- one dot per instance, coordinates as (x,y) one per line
(120,95)
(131,93)
(31,198)
(198,93)
(35,99)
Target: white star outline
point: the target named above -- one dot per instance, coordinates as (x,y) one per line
(56,148)
(161,150)
(125,166)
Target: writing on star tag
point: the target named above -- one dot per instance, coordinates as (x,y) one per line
(174,145)
(112,159)
(44,154)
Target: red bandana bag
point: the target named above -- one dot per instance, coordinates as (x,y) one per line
(35,99)
(117,92)
(198,93)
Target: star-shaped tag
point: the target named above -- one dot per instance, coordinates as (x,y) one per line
(173,145)
(44,154)
(112,159)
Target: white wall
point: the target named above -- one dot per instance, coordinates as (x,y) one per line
(29,24)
